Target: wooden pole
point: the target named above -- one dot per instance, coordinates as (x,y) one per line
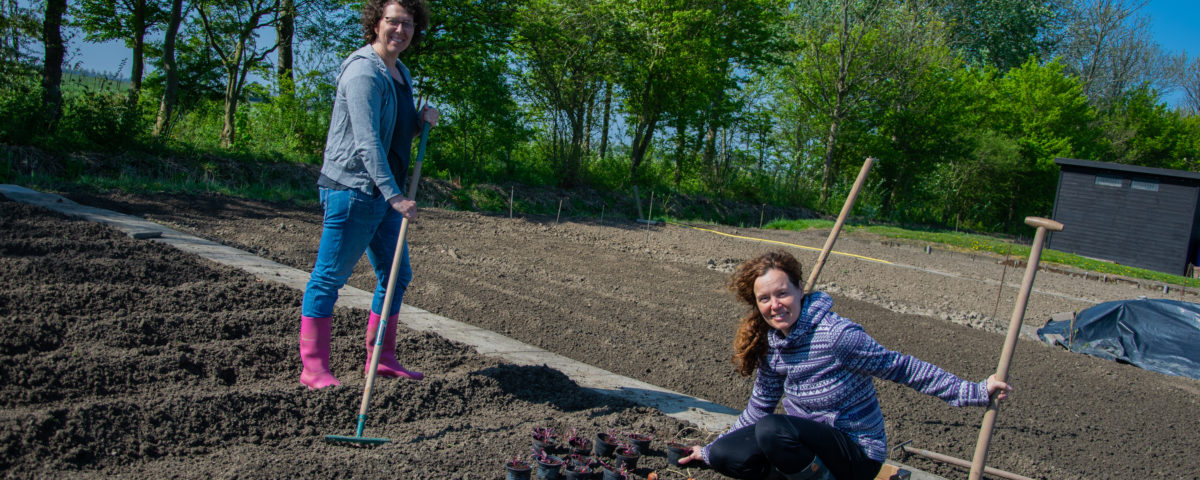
(637,200)
(648,220)
(837,226)
(962,463)
(1010,342)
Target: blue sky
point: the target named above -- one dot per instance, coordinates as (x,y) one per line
(1176,27)
(1175,23)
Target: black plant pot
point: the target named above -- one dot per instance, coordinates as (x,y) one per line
(626,458)
(551,470)
(547,445)
(582,448)
(604,445)
(517,473)
(614,475)
(675,452)
(641,441)
(574,475)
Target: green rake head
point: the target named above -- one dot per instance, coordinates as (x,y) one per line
(365,441)
(357,438)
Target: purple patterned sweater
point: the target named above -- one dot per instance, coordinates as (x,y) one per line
(823,371)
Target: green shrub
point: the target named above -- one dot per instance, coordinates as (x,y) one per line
(20,108)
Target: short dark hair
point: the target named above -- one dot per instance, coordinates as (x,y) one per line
(373,12)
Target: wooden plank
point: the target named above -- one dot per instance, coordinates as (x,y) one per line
(892,472)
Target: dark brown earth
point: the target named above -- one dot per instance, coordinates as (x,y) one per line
(128,358)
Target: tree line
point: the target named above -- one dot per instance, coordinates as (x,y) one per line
(965,104)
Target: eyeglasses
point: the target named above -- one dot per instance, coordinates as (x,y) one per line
(405,24)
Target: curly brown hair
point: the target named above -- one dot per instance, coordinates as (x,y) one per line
(750,343)
(373,12)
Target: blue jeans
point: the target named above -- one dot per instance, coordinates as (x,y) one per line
(355,222)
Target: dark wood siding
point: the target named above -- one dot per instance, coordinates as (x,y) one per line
(1141,228)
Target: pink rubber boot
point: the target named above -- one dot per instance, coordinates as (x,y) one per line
(315,334)
(388,365)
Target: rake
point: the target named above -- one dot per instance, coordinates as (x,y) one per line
(358,438)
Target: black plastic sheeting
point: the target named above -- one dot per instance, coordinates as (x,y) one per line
(1154,334)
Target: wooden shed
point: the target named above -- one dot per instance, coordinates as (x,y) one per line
(1136,216)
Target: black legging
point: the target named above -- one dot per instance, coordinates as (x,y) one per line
(789,444)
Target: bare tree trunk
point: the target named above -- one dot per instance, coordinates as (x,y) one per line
(166,107)
(589,122)
(830,147)
(138,25)
(841,89)
(725,157)
(1191,86)
(52,69)
(643,136)
(575,152)
(236,60)
(286,31)
(710,148)
(233,89)
(12,47)
(607,115)
(643,133)
(680,145)
(227,130)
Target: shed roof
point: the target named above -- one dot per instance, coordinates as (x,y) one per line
(1120,167)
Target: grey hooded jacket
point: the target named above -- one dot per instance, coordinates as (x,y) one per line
(363,121)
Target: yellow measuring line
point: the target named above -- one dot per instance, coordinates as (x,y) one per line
(781,243)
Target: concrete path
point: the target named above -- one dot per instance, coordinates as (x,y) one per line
(703,413)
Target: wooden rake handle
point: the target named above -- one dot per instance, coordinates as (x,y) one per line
(1010,342)
(414,180)
(837,226)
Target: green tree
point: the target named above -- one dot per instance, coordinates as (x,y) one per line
(126,20)
(562,47)
(854,62)
(929,124)
(285,31)
(1141,130)
(464,69)
(676,51)
(1046,113)
(19,28)
(166,105)
(1110,47)
(975,191)
(231,29)
(1001,33)
(199,73)
(54,51)
(1190,82)
(742,38)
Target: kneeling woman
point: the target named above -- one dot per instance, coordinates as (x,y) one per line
(821,365)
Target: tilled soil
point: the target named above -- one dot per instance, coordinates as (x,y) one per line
(183,369)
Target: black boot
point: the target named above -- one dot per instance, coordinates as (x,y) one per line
(814,471)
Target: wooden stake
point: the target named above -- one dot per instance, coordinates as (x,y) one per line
(559,214)
(837,226)
(1000,293)
(510,199)
(648,220)
(637,200)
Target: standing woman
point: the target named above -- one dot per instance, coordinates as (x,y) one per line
(361,185)
(821,365)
